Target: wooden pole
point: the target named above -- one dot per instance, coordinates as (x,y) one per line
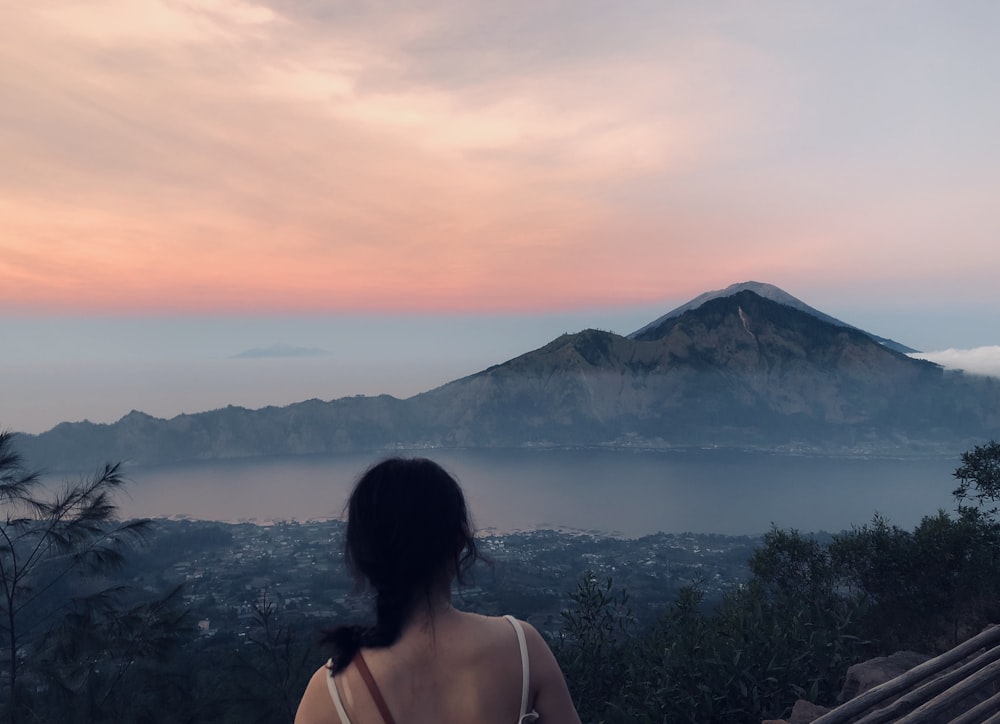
(932,688)
(976,713)
(942,702)
(861,704)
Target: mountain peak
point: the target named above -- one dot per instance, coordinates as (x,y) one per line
(761,289)
(766,291)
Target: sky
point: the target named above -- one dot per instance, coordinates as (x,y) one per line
(381,197)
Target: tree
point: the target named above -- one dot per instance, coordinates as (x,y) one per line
(273,669)
(747,659)
(791,566)
(112,660)
(48,541)
(591,650)
(979,477)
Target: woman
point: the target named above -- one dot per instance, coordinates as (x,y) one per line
(408,538)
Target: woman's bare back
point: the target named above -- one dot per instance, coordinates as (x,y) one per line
(452,667)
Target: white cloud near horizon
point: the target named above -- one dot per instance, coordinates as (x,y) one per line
(977,361)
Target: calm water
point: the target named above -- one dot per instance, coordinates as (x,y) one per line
(626,493)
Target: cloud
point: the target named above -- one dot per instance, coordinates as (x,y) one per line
(303,155)
(978,361)
(280,350)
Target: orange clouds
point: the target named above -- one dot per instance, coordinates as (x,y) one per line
(230,155)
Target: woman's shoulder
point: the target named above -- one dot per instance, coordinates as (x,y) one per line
(504,627)
(490,627)
(501,633)
(547,687)
(501,626)
(470,618)
(316,703)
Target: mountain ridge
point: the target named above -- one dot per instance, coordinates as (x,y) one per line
(735,370)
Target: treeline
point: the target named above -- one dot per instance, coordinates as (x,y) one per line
(81,643)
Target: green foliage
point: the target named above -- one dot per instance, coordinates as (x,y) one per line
(790,566)
(69,640)
(979,477)
(109,659)
(925,589)
(271,671)
(748,659)
(592,649)
(809,610)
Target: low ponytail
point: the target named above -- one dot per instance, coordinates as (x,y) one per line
(345,642)
(392,608)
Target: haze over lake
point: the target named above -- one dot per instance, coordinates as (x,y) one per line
(621,492)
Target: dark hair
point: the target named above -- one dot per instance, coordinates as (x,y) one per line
(408,529)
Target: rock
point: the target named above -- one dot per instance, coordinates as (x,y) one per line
(869,674)
(805,711)
(802,713)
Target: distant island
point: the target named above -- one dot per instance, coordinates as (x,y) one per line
(280,350)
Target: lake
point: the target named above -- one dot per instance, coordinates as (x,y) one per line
(625,493)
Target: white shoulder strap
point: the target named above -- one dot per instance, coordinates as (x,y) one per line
(335,695)
(525,672)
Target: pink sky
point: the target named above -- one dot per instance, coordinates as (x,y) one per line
(287,156)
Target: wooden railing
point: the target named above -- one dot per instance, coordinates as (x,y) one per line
(925,693)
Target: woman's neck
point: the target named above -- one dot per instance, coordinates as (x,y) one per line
(436,606)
